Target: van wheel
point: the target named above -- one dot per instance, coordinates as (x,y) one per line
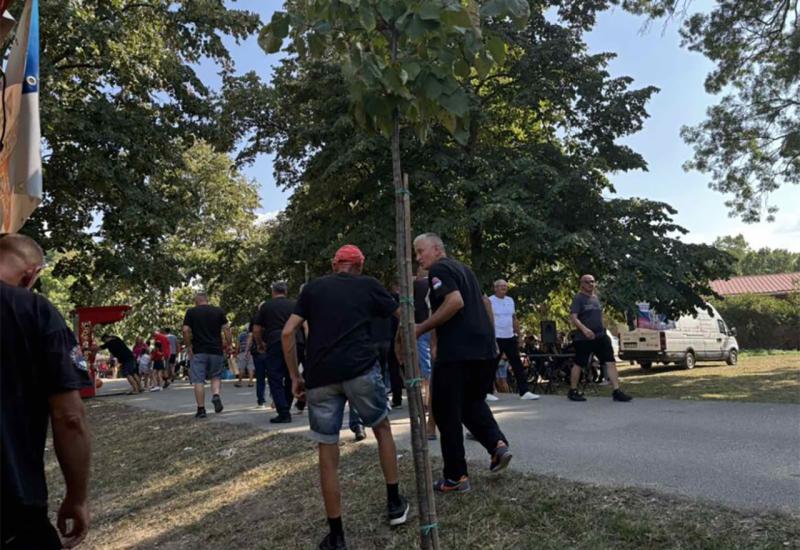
(733,357)
(689,360)
(646,365)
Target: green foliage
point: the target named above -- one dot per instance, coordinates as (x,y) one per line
(121,105)
(404,57)
(763,321)
(758,262)
(523,199)
(750,143)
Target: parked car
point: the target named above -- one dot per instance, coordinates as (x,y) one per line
(703,336)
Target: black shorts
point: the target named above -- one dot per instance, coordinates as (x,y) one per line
(172,359)
(600,347)
(158,365)
(129,368)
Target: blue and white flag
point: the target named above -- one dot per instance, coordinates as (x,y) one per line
(20,157)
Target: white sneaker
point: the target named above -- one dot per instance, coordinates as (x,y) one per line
(155,388)
(492,397)
(528,396)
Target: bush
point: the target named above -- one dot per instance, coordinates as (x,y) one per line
(763,321)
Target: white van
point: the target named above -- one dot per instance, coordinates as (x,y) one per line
(691,339)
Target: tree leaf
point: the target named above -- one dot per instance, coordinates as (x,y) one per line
(456,103)
(412,69)
(461,68)
(497,48)
(366,17)
(430,12)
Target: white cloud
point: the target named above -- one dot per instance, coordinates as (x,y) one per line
(262,217)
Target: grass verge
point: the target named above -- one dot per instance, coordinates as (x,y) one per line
(773,378)
(170,482)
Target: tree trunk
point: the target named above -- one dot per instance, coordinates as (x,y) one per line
(429,536)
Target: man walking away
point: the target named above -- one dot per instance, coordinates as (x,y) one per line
(506,329)
(42,373)
(244,357)
(203,329)
(342,365)
(267,326)
(465,363)
(586,315)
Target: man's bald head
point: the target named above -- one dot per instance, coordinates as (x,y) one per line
(200,298)
(21,260)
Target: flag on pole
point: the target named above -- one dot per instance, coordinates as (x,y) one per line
(20,157)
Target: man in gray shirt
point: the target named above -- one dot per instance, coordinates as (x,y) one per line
(586,314)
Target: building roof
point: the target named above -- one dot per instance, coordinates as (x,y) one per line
(773,285)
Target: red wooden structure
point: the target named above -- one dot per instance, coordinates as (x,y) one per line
(85,319)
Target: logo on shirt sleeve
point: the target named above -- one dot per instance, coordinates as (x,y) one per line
(436,283)
(78,360)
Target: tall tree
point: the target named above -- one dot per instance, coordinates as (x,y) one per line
(750,143)
(763,261)
(523,198)
(121,104)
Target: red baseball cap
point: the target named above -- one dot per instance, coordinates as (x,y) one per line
(349,254)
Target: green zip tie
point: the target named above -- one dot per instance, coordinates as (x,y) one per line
(406,300)
(411,382)
(402,192)
(426,529)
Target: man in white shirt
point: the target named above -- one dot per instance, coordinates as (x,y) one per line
(506,329)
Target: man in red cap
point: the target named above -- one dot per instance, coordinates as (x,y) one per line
(342,365)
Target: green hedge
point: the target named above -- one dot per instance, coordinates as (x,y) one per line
(763,321)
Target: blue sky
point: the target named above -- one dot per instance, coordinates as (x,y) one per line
(651,56)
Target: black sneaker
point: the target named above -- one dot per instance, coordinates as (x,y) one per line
(397,404)
(201,412)
(217,403)
(361,435)
(621,396)
(281,419)
(500,459)
(575,395)
(333,542)
(398,511)
(166,384)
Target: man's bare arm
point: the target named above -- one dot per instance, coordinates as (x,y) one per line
(258,338)
(516,324)
(453,303)
(187,340)
(580,326)
(72,443)
(289,344)
(227,336)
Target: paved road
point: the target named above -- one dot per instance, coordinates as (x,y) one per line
(744,455)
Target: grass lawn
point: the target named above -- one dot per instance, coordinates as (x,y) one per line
(174,483)
(758,377)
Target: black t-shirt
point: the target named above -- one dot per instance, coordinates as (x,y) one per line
(380,329)
(40,357)
(421,306)
(271,316)
(589,312)
(339,309)
(206,322)
(468,335)
(119,349)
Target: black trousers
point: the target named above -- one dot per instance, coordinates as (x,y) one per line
(395,376)
(510,347)
(28,529)
(459,393)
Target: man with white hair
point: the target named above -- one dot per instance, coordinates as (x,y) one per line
(43,371)
(465,363)
(506,331)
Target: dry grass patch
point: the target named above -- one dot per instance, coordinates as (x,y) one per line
(170,482)
(760,378)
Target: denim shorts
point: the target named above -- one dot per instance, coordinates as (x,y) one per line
(366,394)
(205,366)
(424,353)
(244,362)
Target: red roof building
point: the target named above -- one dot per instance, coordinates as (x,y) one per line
(779,284)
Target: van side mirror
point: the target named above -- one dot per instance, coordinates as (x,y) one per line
(732,331)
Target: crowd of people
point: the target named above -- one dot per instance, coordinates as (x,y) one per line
(335,345)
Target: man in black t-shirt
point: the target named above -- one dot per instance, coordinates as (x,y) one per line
(465,361)
(591,338)
(118,349)
(342,365)
(267,326)
(203,328)
(42,372)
